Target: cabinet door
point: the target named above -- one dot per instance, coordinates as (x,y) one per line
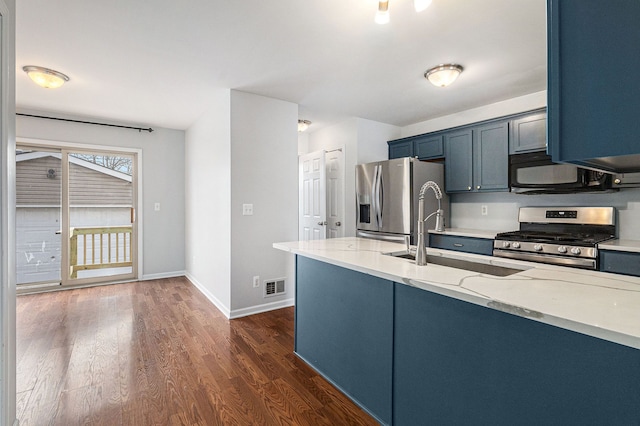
(593,116)
(528,133)
(458,161)
(465,244)
(620,262)
(428,147)
(400,149)
(457,363)
(491,157)
(344,329)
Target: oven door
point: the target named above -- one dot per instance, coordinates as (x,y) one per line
(536,173)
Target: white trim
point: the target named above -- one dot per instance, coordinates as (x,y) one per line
(46,143)
(162,275)
(258,309)
(217,303)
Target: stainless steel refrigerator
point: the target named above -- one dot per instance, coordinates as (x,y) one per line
(387,198)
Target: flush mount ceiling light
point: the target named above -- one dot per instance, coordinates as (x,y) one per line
(382,16)
(44,77)
(443,74)
(303,125)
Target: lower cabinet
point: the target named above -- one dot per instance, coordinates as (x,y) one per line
(456,363)
(412,357)
(464,244)
(344,329)
(620,262)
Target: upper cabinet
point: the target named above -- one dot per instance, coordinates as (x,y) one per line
(477,158)
(593,89)
(423,147)
(528,133)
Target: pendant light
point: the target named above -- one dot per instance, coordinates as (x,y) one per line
(421,5)
(44,77)
(382,16)
(443,74)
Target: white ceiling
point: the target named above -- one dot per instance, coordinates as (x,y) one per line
(154,62)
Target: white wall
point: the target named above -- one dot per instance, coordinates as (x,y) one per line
(208,201)
(363,141)
(162,179)
(7,217)
(498,109)
(264,172)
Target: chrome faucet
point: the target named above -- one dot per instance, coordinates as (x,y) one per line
(421,253)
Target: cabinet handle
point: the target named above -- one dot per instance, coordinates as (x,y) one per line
(469,188)
(458,245)
(478,187)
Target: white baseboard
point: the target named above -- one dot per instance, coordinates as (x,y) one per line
(147,277)
(239,313)
(217,303)
(265,307)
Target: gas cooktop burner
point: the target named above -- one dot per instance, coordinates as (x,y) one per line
(560,235)
(552,237)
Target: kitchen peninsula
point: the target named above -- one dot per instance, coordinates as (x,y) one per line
(414,344)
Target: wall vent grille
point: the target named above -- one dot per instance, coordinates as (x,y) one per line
(274,287)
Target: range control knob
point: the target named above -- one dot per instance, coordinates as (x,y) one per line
(537,247)
(562,249)
(506,244)
(515,245)
(575,250)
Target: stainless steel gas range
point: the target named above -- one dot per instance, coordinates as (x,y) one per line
(565,236)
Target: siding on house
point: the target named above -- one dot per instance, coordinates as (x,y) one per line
(87,187)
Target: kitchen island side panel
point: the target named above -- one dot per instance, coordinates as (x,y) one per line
(458,363)
(344,329)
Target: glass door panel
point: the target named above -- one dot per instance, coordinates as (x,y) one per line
(101,199)
(38,216)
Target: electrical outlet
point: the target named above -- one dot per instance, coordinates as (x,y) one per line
(156,207)
(256,281)
(484,210)
(247,209)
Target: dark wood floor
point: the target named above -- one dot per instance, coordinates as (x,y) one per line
(159,353)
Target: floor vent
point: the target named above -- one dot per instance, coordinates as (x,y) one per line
(274,287)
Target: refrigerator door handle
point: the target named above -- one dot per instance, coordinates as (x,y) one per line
(380,197)
(374,194)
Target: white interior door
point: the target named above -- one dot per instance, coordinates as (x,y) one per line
(334,161)
(312,196)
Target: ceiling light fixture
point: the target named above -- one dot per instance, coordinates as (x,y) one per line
(382,15)
(443,74)
(421,5)
(44,77)
(303,125)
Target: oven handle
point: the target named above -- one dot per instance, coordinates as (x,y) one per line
(555,260)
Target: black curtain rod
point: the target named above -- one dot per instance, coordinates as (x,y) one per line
(139,129)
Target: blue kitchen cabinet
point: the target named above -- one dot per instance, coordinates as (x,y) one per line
(424,147)
(400,148)
(344,329)
(427,147)
(464,244)
(620,262)
(593,110)
(457,363)
(528,133)
(477,158)
(458,161)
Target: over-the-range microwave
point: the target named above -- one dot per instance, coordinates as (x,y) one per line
(535,173)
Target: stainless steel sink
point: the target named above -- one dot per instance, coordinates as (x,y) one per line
(467,265)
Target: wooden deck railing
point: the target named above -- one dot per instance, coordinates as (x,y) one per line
(99,247)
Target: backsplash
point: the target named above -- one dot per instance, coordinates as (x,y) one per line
(502,209)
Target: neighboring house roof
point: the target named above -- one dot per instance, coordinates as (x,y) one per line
(33,155)
(91,185)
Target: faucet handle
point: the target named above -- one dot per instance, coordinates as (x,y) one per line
(407,242)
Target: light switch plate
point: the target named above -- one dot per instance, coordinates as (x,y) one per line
(156,207)
(247,209)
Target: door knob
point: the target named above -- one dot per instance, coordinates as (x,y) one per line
(338,223)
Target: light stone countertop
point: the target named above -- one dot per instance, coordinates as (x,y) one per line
(597,304)
(621,245)
(464,232)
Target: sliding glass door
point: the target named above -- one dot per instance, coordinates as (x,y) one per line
(89,197)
